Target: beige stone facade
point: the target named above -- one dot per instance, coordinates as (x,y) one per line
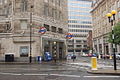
(101,25)
(15,27)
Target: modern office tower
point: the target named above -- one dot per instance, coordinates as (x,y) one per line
(79,24)
(101,25)
(20,22)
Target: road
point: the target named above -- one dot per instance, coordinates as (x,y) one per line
(50,71)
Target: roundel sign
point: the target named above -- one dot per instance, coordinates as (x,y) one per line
(69,36)
(42,30)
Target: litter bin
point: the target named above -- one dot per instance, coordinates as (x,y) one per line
(9,57)
(39,59)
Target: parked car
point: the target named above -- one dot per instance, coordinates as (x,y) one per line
(90,55)
(84,55)
(118,56)
(95,55)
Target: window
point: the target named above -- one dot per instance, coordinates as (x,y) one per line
(119,14)
(0,48)
(46,10)
(70,50)
(1,2)
(53,12)
(45,0)
(79,41)
(24,5)
(23,24)
(70,45)
(84,41)
(78,45)
(77,50)
(5,1)
(60,30)
(85,46)
(59,2)
(53,29)
(47,27)
(119,4)
(24,50)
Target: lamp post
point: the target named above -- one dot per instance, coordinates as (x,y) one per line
(30,57)
(73,50)
(111,20)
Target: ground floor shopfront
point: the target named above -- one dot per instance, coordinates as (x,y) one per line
(19,45)
(102,46)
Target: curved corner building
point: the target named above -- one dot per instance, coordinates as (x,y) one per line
(79,24)
(19,18)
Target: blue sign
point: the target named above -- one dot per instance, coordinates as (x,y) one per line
(69,36)
(42,30)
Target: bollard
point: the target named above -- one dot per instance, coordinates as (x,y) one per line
(99,57)
(110,57)
(94,63)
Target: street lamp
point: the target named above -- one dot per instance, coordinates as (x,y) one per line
(30,57)
(111,20)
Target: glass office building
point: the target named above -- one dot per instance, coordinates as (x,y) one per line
(79,24)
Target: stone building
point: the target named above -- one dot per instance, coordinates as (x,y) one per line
(17,17)
(101,25)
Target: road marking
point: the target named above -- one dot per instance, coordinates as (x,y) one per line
(101,76)
(19,68)
(35,74)
(60,75)
(9,73)
(63,75)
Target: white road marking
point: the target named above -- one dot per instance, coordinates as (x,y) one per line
(9,73)
(19,68)
(101,76)
(35,74)
(60,75)
(63,75)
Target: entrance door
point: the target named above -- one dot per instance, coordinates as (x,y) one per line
(60,53)
(61,50)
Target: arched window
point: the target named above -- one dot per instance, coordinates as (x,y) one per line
(24,5)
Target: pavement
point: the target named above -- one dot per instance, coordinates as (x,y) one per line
(105,71)
(99,71)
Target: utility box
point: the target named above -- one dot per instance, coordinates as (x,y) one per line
(9,57)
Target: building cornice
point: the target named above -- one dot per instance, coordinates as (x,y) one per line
(97,4)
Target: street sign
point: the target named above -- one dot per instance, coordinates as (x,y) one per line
(69,36)
(42,30)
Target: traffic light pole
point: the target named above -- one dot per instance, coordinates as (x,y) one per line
(30,57)
(73,50)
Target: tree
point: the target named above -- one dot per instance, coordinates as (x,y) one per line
(116,31)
